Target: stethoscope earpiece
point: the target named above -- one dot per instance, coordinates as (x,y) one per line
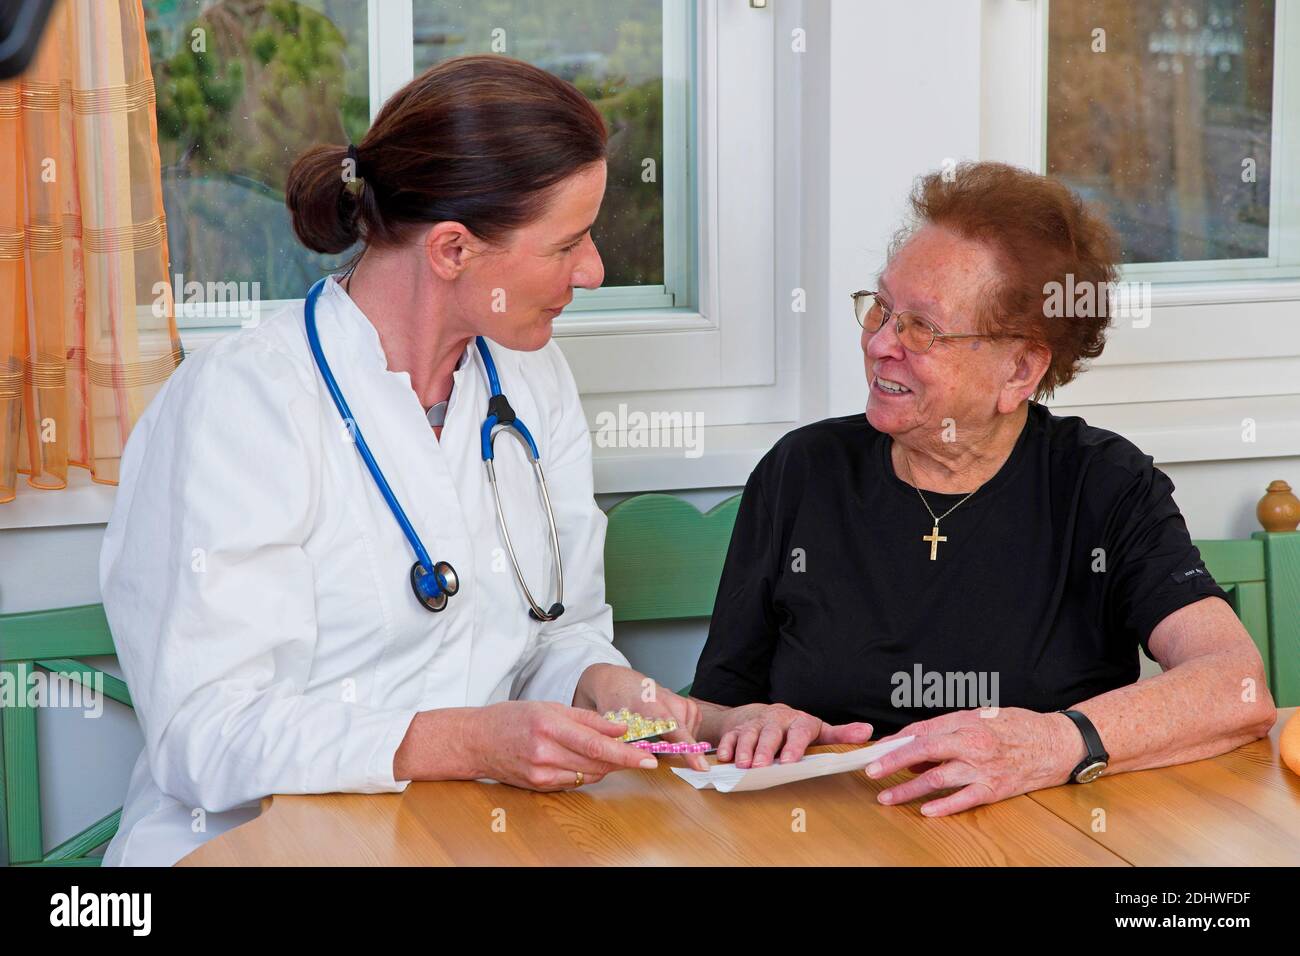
(556,610)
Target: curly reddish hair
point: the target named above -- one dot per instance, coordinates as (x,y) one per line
(1040,232)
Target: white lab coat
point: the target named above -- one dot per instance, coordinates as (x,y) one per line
(258,587)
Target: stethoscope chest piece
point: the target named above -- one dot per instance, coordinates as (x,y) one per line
(433,594)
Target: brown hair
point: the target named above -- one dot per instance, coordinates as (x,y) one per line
(475,139)
(1040,232)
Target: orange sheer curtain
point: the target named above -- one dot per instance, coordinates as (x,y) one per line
(87,336)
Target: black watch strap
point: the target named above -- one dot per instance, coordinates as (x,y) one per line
(1095,761)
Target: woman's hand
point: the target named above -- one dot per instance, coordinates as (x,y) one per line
(989,754)
(540,745)
(606,687)
(755,733)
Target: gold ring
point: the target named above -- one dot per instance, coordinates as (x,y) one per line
(577,779)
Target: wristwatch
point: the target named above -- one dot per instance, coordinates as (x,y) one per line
(1095,761)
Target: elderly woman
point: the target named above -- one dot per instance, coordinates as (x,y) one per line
(961,564)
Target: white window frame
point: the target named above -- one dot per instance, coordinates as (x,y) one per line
(726,356)
(609,308)
(1212,357)
(660,307)
(728,339)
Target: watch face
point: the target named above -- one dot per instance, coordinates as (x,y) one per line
(1091,772)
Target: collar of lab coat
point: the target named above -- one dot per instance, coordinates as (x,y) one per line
(365,337)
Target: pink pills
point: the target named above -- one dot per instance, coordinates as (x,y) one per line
(664,747)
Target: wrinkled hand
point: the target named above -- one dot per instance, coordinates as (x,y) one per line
(1007,752)
(756,732)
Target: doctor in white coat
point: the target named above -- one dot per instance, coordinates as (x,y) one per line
(258,586)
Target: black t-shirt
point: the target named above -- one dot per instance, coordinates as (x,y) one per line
(1053,574)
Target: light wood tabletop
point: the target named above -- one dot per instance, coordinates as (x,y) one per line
(1238,809)
(1242,807)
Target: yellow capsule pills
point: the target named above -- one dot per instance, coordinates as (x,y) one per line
(638,727)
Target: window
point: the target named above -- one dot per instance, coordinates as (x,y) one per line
(1152,110)
(1164,114)
(693,92)
(631,59)
(242,88)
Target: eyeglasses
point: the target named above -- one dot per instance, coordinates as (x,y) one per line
(915,331)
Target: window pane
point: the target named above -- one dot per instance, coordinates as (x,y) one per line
(1169,128)
(612,50)
(243,86)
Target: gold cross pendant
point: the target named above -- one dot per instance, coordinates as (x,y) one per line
(934,538)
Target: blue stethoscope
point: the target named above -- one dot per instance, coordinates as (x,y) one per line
(434,582)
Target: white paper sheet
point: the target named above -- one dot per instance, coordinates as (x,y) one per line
(725,777)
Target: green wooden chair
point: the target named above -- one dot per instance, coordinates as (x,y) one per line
(663,558)
(1261,576)
(641,584)
(51,641)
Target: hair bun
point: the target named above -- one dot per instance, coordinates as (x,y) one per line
(325,213)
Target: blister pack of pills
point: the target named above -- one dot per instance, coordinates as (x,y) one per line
(641,730)
(665,747)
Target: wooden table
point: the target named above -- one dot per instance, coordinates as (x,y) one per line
(1239,808)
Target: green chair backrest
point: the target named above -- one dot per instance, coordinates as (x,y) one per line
(50,641)
(1262,578)
(663,560)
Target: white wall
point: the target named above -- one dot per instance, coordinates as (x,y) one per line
(891,119)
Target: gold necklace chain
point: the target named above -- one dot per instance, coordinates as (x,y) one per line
(933,538)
